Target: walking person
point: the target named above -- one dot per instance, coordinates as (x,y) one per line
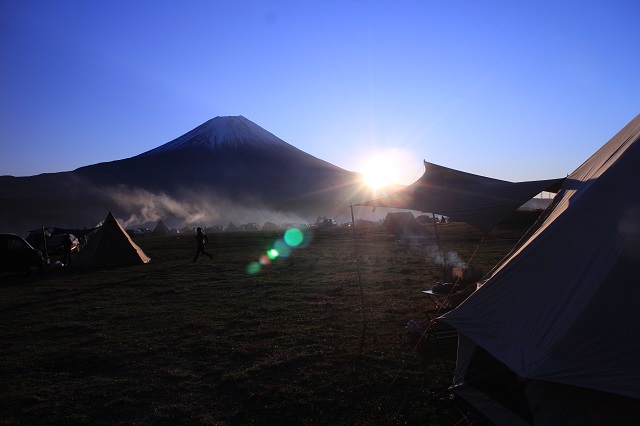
(202,238)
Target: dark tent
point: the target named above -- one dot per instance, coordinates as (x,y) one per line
(402,224)
(161,229)
(269,226)
(477,200)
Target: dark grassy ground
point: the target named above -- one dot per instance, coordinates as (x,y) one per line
(174,342)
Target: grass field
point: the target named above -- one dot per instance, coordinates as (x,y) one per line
(313,338)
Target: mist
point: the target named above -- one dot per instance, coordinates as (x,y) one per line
(140,207)
(443,257)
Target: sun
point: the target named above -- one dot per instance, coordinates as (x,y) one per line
(379,171)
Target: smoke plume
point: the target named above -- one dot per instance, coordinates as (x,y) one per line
(142,207)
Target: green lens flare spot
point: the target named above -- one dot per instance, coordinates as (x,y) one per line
(253,268)
(272,253)
(282,248)
(293,237)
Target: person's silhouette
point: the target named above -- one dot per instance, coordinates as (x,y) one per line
(201,238)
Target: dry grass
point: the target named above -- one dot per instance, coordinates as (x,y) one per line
(174,342)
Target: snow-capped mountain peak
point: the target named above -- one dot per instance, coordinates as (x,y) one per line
(223,132)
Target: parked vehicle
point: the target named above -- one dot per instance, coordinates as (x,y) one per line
(16,255)
(55,244)
(326,223)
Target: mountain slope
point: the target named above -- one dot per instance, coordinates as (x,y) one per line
(227,161)
(223,133)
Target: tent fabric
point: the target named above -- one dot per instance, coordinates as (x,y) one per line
(477,200)
(562,307)
(111,246)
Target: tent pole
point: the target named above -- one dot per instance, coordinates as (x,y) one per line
(364,314)
(444,259)
(44,238)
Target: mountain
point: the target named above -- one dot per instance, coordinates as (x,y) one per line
(228,168)
(221,133)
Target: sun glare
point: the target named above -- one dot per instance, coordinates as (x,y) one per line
(379,171)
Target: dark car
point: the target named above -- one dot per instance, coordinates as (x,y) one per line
(16,255)
(55,243)
(326,223)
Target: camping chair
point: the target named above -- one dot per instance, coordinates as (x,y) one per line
(432,338)
(446,296)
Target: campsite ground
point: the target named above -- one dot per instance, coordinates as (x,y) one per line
(208,343)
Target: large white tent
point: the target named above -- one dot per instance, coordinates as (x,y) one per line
(552,337)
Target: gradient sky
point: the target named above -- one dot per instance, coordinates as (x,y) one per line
(509,89)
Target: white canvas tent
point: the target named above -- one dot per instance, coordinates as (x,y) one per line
(553,336)
(111,246)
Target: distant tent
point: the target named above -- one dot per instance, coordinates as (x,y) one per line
(402,224)
(214,228)
(161,229)
(110,246)
(269,226)
(552,336)
(231,228)
(480,201)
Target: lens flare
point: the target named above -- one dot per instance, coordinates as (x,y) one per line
(282,248)
(272,253)
(293,237)
(253,268)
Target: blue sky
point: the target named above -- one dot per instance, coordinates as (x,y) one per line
(509,89)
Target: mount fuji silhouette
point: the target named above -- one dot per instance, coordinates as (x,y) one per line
(227,168)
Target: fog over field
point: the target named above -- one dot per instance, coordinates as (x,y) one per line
(194,208)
